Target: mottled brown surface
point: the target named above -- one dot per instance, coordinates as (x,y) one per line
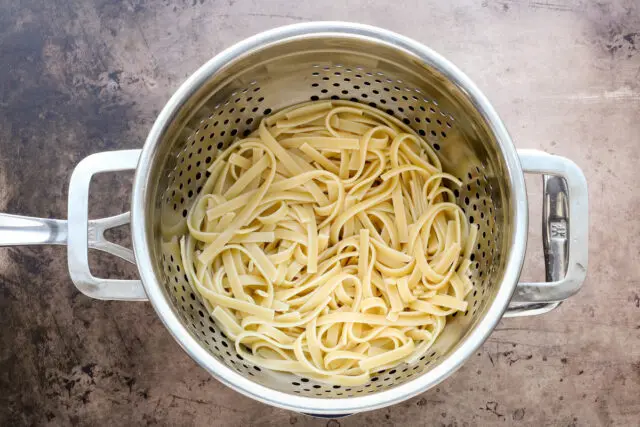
(81,77)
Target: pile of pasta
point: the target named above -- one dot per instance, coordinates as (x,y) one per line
(326,244)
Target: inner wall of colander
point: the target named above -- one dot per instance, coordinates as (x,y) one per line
(235,109)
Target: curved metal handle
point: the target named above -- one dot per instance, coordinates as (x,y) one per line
(83,233)
(565,230)
(80,233)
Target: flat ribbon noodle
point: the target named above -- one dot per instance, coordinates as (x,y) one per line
(327,245)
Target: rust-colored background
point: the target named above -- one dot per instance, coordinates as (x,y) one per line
(78,77)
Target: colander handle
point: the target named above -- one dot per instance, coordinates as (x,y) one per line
(83,234)
(565,231)
(79,233)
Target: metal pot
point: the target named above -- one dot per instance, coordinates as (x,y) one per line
(227,97)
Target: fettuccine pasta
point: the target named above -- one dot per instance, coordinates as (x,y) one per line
(326,244)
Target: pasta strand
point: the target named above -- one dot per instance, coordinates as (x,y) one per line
(327,245)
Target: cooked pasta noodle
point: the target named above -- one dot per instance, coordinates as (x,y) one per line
(326,244)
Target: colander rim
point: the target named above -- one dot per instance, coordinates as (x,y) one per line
(328,406)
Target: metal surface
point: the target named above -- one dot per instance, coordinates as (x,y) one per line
(557,226)
(555,236)
(79,233)
(226,98)
(81,230)
(97,240)
(565,228)
(25,230)
(17,230)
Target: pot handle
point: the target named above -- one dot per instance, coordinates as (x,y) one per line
(82,231)
(565,234)
(79,233)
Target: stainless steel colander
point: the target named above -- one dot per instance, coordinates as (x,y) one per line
(227,98)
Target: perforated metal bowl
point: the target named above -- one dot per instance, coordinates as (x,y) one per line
(226,99)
